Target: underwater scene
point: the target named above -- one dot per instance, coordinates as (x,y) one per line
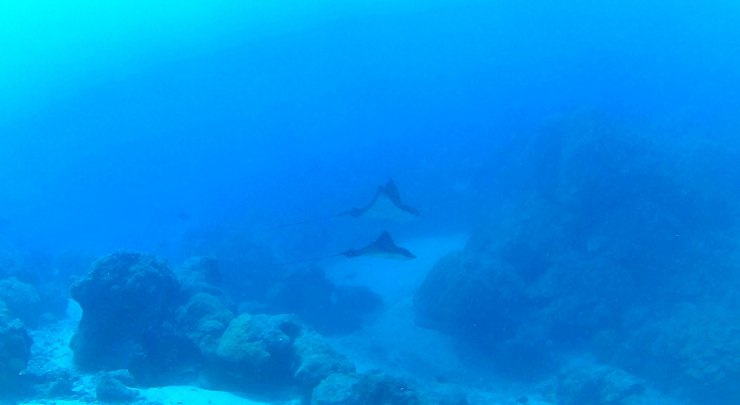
(407,202)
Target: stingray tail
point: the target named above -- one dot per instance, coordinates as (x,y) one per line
(312,260)
(307,221)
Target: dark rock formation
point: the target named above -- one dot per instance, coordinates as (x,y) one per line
(360,389)
(110,389)
(588,383)
(137,317)
(128,301)
(608,224)
(245,270)
(21,300)
(327,307)
(15,352)
(203,319)
(317,360)
(691,349)
(277,352)
(200,274)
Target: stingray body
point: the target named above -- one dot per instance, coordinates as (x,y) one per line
(383,247)
(386,204)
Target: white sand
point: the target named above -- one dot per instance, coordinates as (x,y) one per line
(173,395)
(394,280)
(178,395)
(392,340)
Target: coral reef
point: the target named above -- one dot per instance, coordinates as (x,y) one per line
(199,274)
(359,389)
(128,301)
(274,351)
(608,238)
(33,284)
(112,390)
(694,350)
(587,383)
(255,345)
(317,360)
(327,307)
(21,300)
(203,319)
(32,288)
(307,293)
(15,352)
(494,296)
(138,316)
(245,270)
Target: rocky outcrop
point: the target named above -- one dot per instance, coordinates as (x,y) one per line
(274,351)
(359,389)
(128,302)
(15,352)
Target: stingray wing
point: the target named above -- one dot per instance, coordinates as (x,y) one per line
(391,191)
(384,247)
(386,204)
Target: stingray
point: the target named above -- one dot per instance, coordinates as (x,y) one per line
(383,247)
(385,204)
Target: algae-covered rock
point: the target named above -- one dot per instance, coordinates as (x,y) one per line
(584,382)
(128,300)
(111,390)
(336,389)
(325,306)
(15,352)
(273,353)
(256,351)
(199,274)
(318,360)
(203,319)
(21,300)
(252,340)
(695,347)
(360,389)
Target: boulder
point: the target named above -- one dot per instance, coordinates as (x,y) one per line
(203,319)
(359,389)
(325,306)
(128,300)
(21,300)
(273,353)
(15,352)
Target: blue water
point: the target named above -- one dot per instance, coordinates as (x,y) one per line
(578,158)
